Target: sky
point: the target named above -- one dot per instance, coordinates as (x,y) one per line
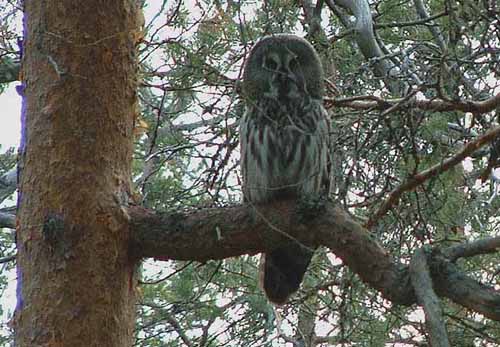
(10,115)
(10,135)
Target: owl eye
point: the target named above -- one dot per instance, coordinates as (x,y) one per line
(271,64)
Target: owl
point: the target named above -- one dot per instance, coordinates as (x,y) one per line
(284,144)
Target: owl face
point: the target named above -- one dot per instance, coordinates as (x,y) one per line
(284,68)
(286,77)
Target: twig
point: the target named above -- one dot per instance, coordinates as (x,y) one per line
(423,21)
(400,103)
(423,176)
(178,329)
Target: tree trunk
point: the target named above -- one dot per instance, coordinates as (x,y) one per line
(76,284)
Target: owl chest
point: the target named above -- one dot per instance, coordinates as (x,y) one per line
(281,131)
(284,151)
(281,153)
(284,142)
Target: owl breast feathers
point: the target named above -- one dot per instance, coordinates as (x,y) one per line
(284,143)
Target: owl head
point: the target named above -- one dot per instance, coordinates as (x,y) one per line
(282,67)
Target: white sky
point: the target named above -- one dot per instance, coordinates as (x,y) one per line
(10,115)
(10,135)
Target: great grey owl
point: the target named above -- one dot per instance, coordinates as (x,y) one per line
(283,138)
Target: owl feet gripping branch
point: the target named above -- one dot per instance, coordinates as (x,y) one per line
(284,143)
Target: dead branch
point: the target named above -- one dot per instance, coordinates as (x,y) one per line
(370,102)
(427,298)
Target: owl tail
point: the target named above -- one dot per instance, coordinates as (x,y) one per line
(282,271)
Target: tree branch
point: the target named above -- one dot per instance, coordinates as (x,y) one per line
(422,283)
(427,21)
(449,281)
(8,182)
(434,29)
(7,220)
(423,176)
(366,40)
(178,329)
(9,70)
(236,230)
(367,102)
(8,258)
(482,246)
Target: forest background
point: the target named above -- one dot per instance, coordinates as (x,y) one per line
(413,99)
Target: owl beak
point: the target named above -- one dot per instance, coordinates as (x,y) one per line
(287,86)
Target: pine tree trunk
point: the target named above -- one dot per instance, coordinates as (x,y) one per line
(76,282)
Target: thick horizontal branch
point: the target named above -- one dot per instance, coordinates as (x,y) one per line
(232,231)
(236,230)
(438,105)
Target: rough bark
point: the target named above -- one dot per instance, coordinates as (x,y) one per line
(233,231)
(75,279)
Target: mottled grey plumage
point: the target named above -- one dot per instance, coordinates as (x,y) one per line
(283,137)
